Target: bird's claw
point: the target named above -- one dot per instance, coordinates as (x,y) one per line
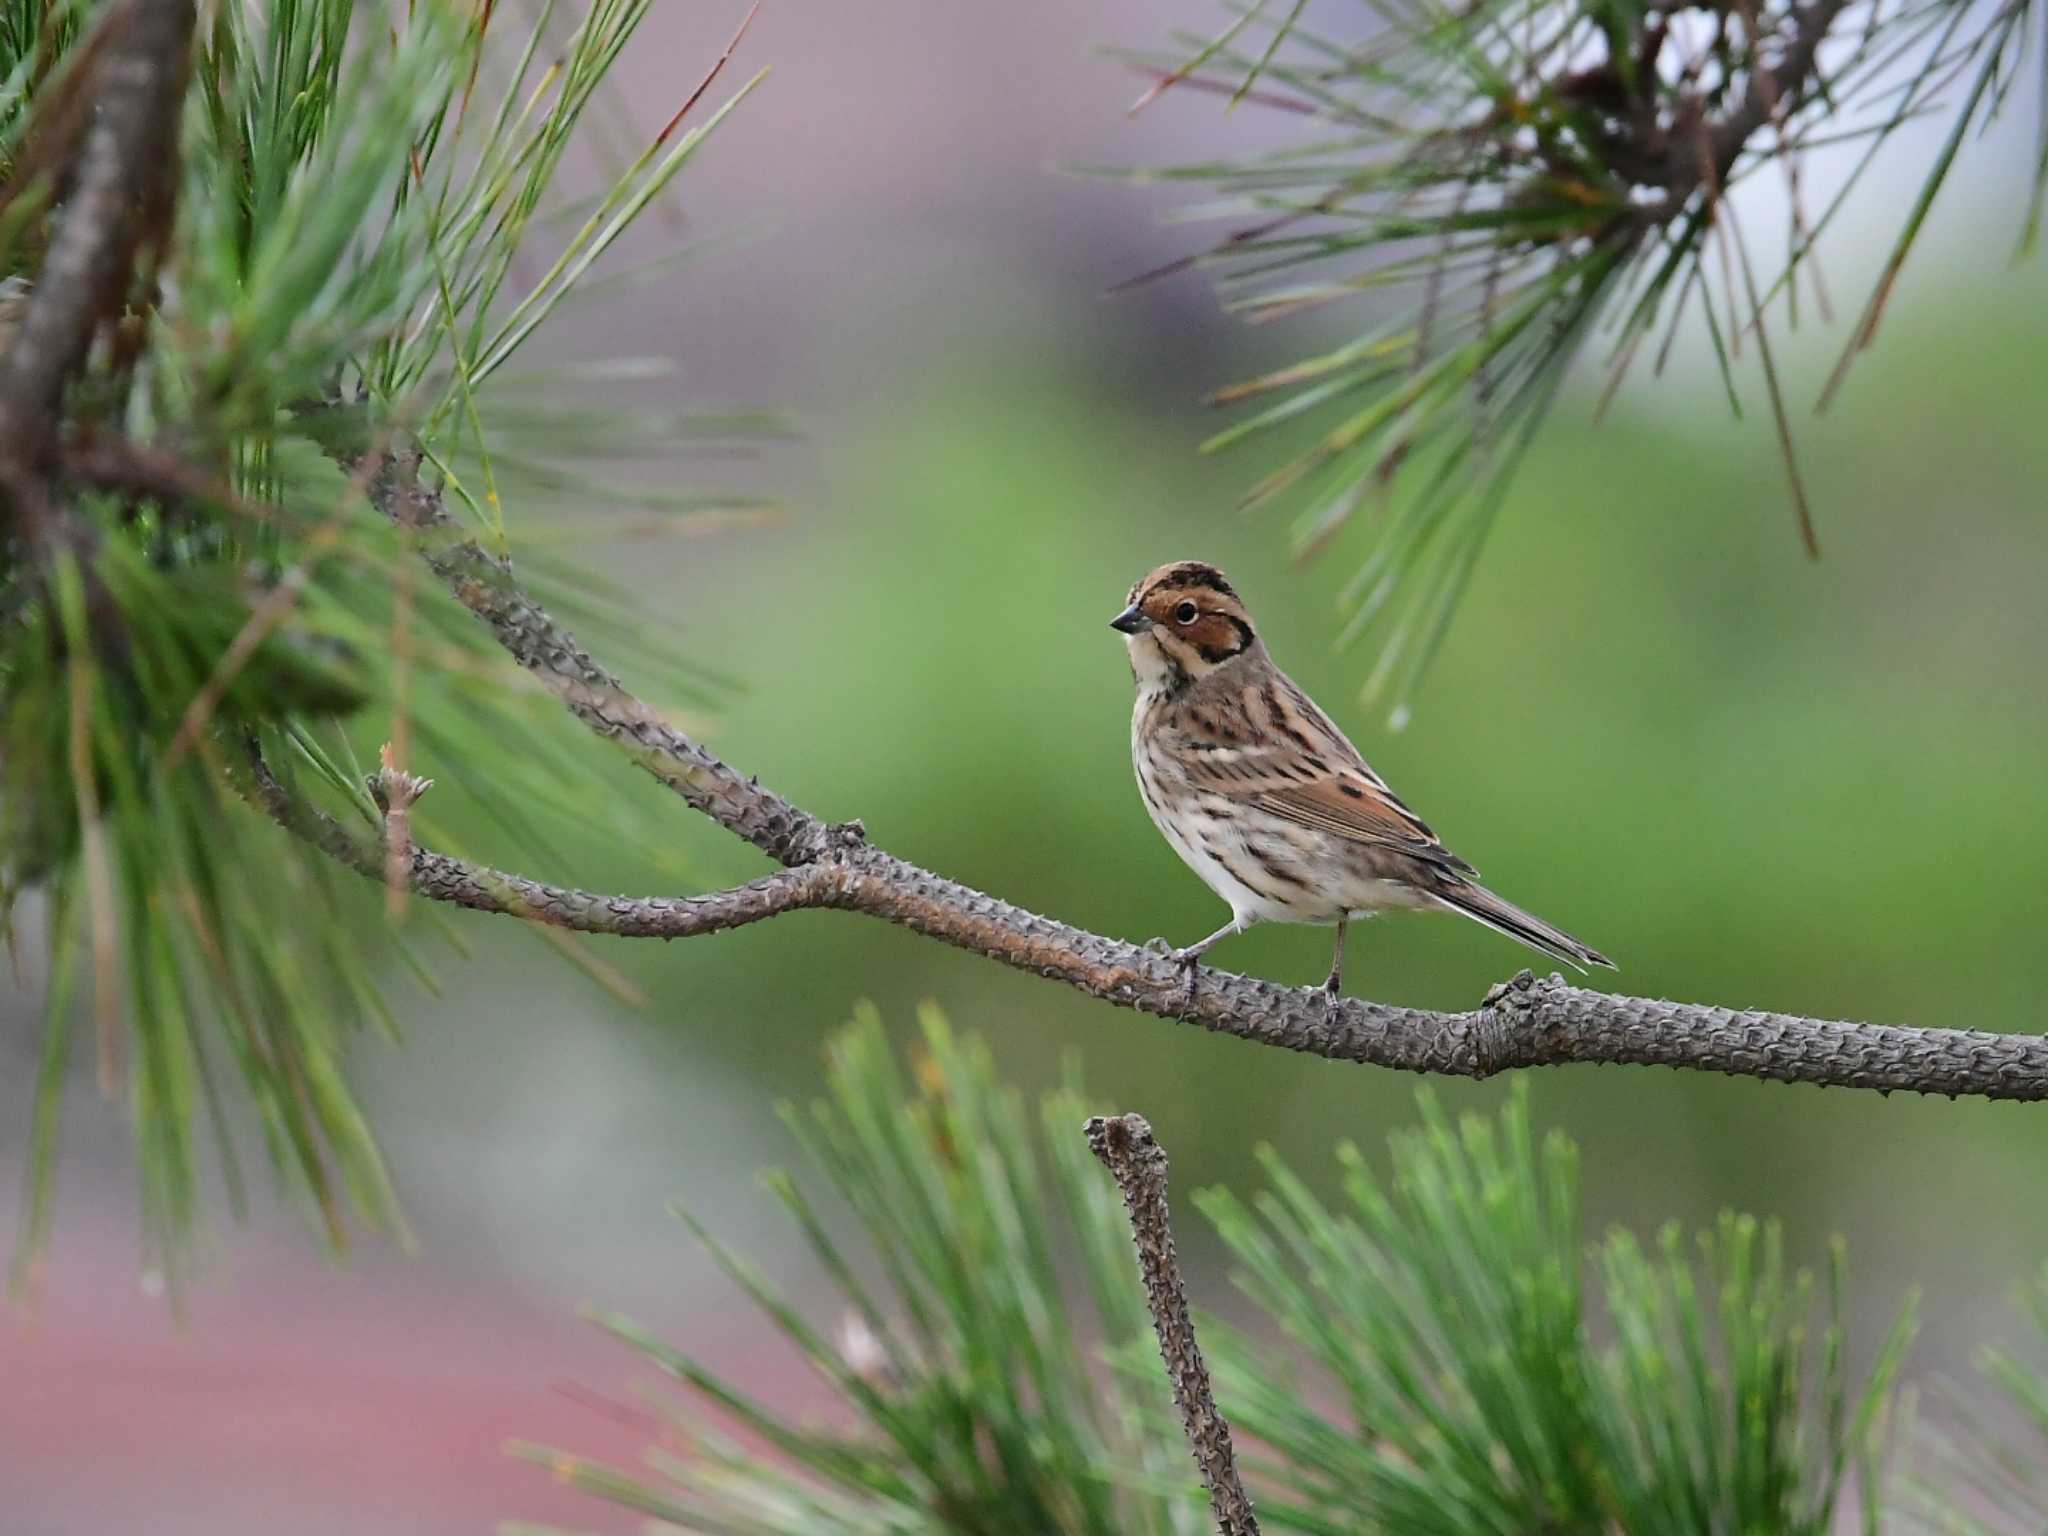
(1190,961)
(1159,946)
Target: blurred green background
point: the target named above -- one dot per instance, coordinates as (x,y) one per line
(1751,779)
(1754,780)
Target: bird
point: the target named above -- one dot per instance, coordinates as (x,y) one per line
(1263,796)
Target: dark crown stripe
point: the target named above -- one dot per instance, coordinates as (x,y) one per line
(1195,574)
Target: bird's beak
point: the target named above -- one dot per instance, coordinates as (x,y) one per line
(1131,621)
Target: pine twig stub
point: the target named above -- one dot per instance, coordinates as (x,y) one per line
(1126,1146)
(395,790)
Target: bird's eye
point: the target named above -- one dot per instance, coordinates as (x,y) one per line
(1185,613)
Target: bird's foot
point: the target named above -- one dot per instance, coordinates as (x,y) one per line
(1159,946)
(1190,962)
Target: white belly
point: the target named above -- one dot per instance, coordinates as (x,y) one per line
(1215,837)
(1246,905)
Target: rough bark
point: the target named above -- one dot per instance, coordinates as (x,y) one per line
(1125,1145)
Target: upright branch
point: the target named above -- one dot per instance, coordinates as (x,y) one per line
(122,178)
(1125,1145)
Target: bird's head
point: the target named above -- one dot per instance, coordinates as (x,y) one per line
(1183,622)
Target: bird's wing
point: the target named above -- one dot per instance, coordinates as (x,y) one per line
(1270,746)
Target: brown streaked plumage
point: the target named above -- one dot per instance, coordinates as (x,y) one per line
(1261,794)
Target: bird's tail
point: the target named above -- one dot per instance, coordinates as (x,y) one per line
(1480,904)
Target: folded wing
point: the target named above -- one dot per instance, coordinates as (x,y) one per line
(1274,749)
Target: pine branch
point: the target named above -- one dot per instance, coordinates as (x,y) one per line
(135,70)
(1524,1022)
(204,230)
(483,583)
(1774,93)
(1500,187)
(1125,1145)
(439,877)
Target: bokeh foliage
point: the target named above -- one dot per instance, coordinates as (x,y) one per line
(1445,1371)
(356,187)
(1987,1474)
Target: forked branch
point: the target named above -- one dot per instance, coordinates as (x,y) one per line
(1125,1145)
(1524,1022)
(438,877)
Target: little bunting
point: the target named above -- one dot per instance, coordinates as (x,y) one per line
(1261,794)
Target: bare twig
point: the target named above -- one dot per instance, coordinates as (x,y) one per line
(480,888)
(1125,1145)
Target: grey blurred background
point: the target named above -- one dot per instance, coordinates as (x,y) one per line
(1751,779)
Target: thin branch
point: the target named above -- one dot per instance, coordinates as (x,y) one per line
(441,878)
(1773,95)
(135,471)
(438,877)
(484,584)
(119,204)
(1524,1022)
(1125,1145)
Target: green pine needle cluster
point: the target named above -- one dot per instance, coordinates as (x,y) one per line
(1456,1357)
(356,185)
(958,1354)
(1502,188)
(1454,1308)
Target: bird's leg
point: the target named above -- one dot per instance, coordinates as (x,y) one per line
(1333,982)
(1188,959)
(1195,951)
